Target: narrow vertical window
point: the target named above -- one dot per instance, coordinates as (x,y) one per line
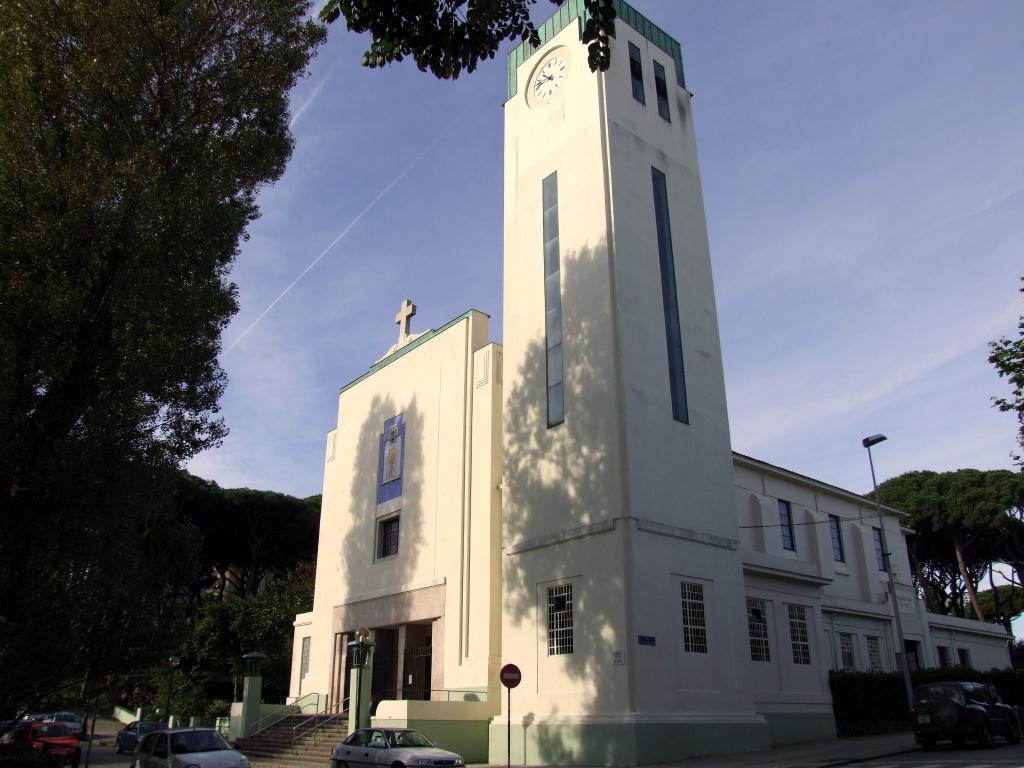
(965,657)
(876,533)
(875,654)
(786,525)
(846,658)
(837,539)
(757,628)
(670,300)
(661,88)
(304,661)
(553,303)
(560,620)
(636,72)
(798,635)
(943,652)
(387,537)
(695,628)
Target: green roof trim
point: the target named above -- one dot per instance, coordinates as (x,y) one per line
(421,339)
(575,10)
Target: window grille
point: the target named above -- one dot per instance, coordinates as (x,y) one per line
(560,620)
(757,628)
(848,662)
(786,525)
(304,661)
(837,539)
(874,654)
(695,630)
(798,634)
(388,535)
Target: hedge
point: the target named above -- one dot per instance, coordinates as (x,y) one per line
(24,756)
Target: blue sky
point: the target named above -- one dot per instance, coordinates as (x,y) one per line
(863,171)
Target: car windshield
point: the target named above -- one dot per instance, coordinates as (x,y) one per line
(939,693)
(65,717)
(52,729)
(187,742)
(148,726)
(408,739)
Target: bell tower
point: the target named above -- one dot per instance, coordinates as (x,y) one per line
(623,597)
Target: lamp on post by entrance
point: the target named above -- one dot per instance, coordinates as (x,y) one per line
(868,442)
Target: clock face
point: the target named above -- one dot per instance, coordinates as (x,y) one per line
(549,79)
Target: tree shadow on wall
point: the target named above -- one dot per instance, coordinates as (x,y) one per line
(573,471)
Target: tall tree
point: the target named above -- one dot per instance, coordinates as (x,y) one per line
(134,137)
(1007,355)
(447,37)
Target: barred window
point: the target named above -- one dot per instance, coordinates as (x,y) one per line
(837,539)
(560,620)
(786,525)
(874,654)
(757,628)
(798,634)
(387,537)
(304,658)
(695,629)
(846,659)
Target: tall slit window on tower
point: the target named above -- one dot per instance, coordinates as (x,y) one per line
(553,303)
(786,525)
(636,71)
(661,88)
(670,300)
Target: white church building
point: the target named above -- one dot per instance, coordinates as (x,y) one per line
(569,501)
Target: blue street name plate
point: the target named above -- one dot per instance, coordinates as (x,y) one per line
(646,639)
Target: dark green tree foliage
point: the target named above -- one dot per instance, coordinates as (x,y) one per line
(134,137)
(1007,355)
(1003,603)
(964,522)
(446,37)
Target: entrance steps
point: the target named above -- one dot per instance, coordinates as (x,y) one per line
(292,742)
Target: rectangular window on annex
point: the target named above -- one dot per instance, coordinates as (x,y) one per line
(876,534)
(553,303)
(943,653)
(837,539)
(965,657)
(695,628)
(786,525)
(560,620)
(636,72)
(387,537)
(757,628)
(847,661)
(661,88)
(798,634)
(670,299)
(874,654)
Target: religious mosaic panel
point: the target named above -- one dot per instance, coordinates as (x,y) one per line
(392,460)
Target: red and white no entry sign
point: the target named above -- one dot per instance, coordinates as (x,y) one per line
(510,676)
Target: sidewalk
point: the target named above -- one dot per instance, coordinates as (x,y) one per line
(812,755)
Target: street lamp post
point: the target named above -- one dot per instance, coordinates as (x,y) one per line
(867,442)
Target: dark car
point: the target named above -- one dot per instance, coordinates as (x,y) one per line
(962,711)
(129,736)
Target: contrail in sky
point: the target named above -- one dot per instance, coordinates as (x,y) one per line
(335,241)
(306,104)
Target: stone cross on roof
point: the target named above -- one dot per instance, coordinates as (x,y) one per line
(404,321)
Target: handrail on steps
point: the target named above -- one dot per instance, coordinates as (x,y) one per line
(300,702)
(319,720)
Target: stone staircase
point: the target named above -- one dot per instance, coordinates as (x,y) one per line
(275,745)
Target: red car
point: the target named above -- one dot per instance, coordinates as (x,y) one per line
(55,739)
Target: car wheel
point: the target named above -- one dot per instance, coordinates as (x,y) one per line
(985,735)
(1012,732)
(397,765)
(928,744)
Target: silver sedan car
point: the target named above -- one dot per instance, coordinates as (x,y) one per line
(372,747)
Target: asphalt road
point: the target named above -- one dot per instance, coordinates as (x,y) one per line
(103,755)
(946,756)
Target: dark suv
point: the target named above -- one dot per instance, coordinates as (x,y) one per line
(961,711)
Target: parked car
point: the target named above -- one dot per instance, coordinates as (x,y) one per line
(962,711)
(70,719)
(55,739)
(129,736)
(186,747)
(390,747)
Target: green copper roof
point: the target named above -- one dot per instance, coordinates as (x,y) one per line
(423,337)
(572,10)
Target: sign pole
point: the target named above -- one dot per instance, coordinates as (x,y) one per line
(510,677)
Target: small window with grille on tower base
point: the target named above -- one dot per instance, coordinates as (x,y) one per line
(387,537)
(560,627)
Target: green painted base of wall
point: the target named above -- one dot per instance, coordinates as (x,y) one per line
(466,737)
(623,743)
(797,727)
